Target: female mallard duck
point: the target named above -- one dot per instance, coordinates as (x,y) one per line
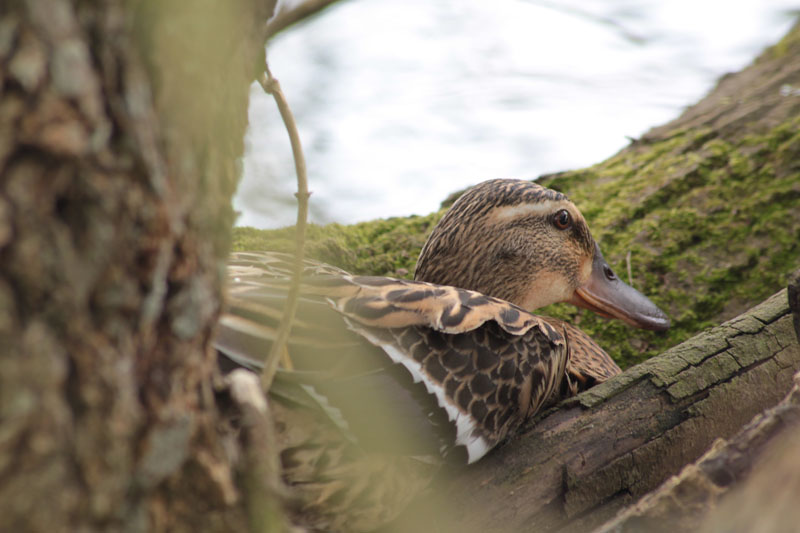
(391,374)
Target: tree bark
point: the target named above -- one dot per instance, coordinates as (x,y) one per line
(747,483)
(120,126)
(683,502)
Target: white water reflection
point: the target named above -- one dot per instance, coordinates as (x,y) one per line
(400,102)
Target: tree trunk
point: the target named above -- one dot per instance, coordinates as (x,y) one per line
(120,127)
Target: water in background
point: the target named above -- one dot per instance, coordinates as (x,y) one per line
(400,102)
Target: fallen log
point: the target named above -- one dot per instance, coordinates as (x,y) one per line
(740,484)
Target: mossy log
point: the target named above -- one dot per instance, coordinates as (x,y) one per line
(576,466)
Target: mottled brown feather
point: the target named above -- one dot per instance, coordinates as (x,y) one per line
(447,321)
(587,363)
(505,256)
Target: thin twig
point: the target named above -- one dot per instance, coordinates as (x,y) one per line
(628,262)
(625,33)
(286,17)
(260,466)
(271,86)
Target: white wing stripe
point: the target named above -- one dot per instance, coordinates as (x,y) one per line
(467,436)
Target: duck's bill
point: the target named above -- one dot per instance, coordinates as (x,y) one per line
(609,296)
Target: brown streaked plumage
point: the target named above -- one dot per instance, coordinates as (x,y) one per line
(499,239)
(502,238)
(474,344)
(444,368)
(587,363)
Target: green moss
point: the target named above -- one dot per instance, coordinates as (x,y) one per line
(789,44)
(711,224)
(712,227)
(386,247)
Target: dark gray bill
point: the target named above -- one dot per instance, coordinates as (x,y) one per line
(609,296)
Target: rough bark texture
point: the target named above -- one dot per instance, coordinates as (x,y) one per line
(120,125)
(683,501)
(760,463)
(576,467)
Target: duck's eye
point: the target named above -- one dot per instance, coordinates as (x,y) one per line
(562,219)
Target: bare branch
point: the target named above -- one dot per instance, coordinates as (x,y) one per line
(271,86)
(628,263)
(286,17)
(622,31)
(261,466)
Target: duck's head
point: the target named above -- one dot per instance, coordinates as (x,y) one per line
(529,245)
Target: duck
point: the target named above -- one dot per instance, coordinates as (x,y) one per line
(391,378)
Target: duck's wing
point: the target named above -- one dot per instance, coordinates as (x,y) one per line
(587,363)
(427,359)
